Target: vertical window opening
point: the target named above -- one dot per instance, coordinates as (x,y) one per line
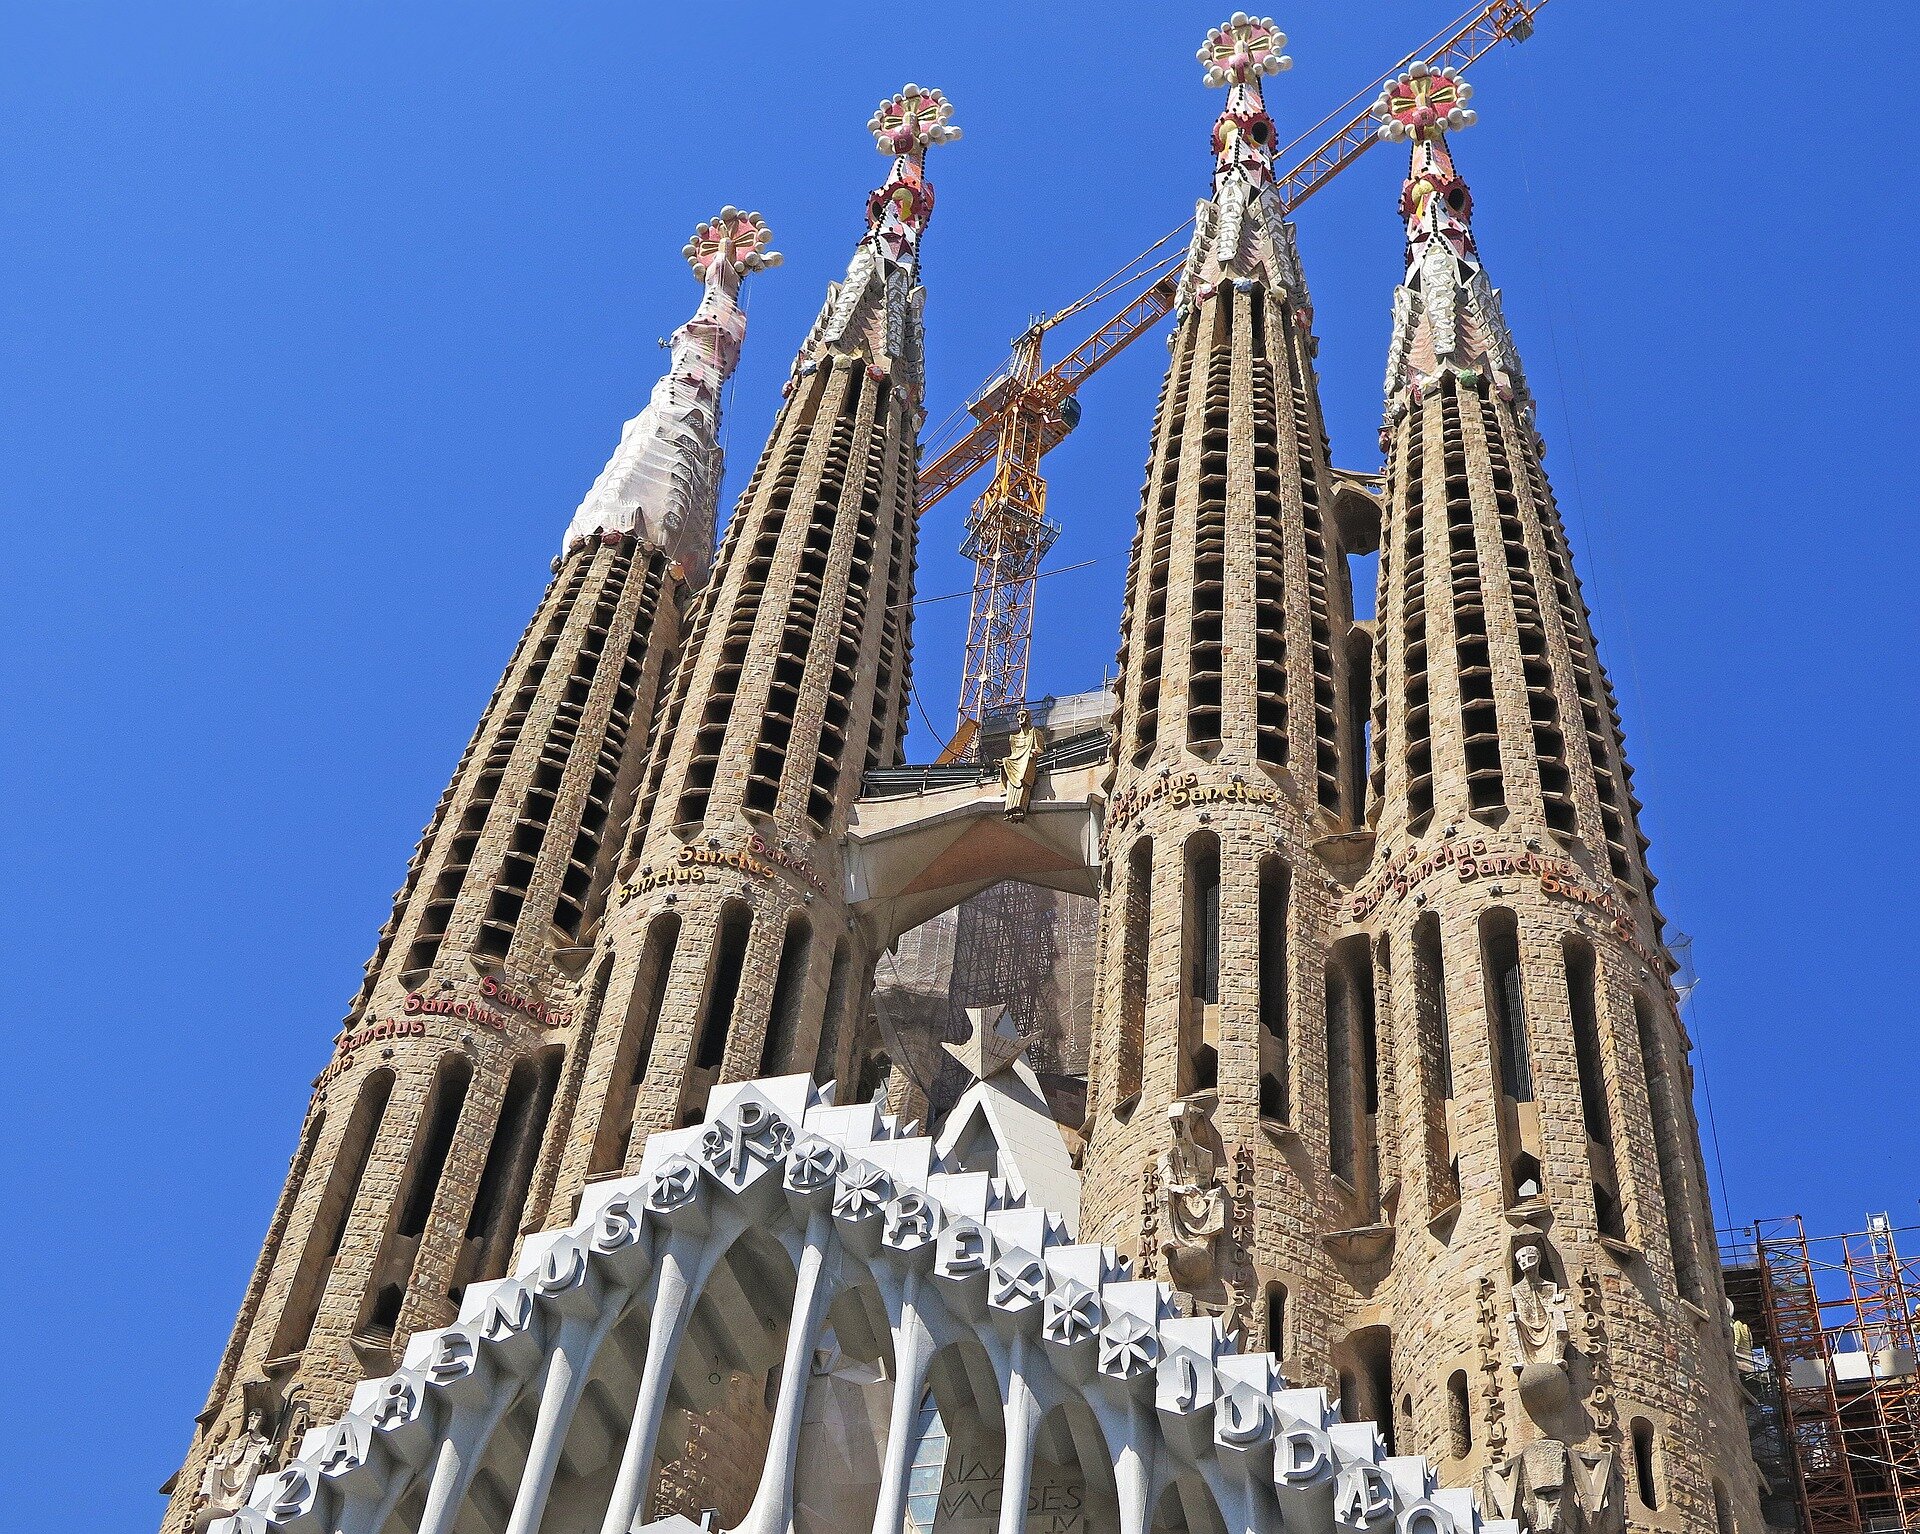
(430,1160)
(649,994)
(1352,1075)
(342,1191)
(1644,1485)
(1435,1063)
(1500,958)
(1275,1093)
(723,989)
(1200,1062)
(784,1012)
(1340,1135)
(825,1063)
(1586,1042)
(508,1171)
(1667,1109)
(1133,975)
(1277,1319)
(1459,1415)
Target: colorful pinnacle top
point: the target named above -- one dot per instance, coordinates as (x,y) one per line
(904,126)
(1237,55)
(1424,103)
(731,244)
(1243,49)
(1447,317)
(906,123)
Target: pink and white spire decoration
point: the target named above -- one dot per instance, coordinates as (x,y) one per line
(1239,55)
(875,311)
(663,481)
(1446,316)
(905,126)
(1241,234)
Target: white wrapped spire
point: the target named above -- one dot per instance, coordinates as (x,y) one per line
(663,481)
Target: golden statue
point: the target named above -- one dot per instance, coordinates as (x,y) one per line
(1020,767)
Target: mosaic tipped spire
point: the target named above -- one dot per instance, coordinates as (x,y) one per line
(1446,314)
(1241,233)
(905,126)
(875,311)
(663,480)
(1238,55)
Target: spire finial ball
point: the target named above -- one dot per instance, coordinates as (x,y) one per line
(1424,103)
(1242,50)
(912,120)
(734,241)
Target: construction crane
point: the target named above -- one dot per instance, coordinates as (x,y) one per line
(1025,411)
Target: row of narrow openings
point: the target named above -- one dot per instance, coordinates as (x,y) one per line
(1309,449)
(490,1223)
(1200,894)
(485,786)
(1155,548)
(559,767)
(1418,759)
(1543,700)
(733,603)
(1473,661)
(1272,743)
(1207,590)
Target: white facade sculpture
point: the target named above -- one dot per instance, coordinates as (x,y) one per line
(786,1229)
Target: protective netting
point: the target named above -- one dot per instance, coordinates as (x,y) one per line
(1027,948)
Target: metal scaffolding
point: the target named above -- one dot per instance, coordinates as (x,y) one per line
(1833,1381)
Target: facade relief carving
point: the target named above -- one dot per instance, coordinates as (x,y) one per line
(1193,1200)
(227,1482)
(1537,1333)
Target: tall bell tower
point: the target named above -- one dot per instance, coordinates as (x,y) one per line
(729,953)
(1216,1154)
(1554,1321)
(420,1160)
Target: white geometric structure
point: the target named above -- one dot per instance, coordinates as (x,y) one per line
(787,1230)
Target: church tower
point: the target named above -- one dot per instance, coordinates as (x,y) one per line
(1554,1323)
(729,953)
(420,1160)
(1216,1153)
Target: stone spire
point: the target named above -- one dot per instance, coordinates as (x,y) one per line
(1215,1006)
(874,313)
(663,481)
(420,1162)
(1551,1285)
(729,947)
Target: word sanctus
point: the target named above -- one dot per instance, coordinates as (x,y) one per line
(496,989)
(1186,789)
(463,1011)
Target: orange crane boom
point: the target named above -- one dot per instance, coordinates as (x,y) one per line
(1022,413)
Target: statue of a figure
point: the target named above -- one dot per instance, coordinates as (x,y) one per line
(230,1473)
(1537,1331)
(1742,1342)
(1021,765)
(1538,1327)
(1193,1199)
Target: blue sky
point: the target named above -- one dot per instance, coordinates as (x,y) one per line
(318,320)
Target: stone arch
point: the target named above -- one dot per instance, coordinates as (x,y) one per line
(1186,1506)
(995,1312)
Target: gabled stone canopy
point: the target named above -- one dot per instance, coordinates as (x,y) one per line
(631,1302)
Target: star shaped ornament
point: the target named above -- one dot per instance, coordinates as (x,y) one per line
(992,1046)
